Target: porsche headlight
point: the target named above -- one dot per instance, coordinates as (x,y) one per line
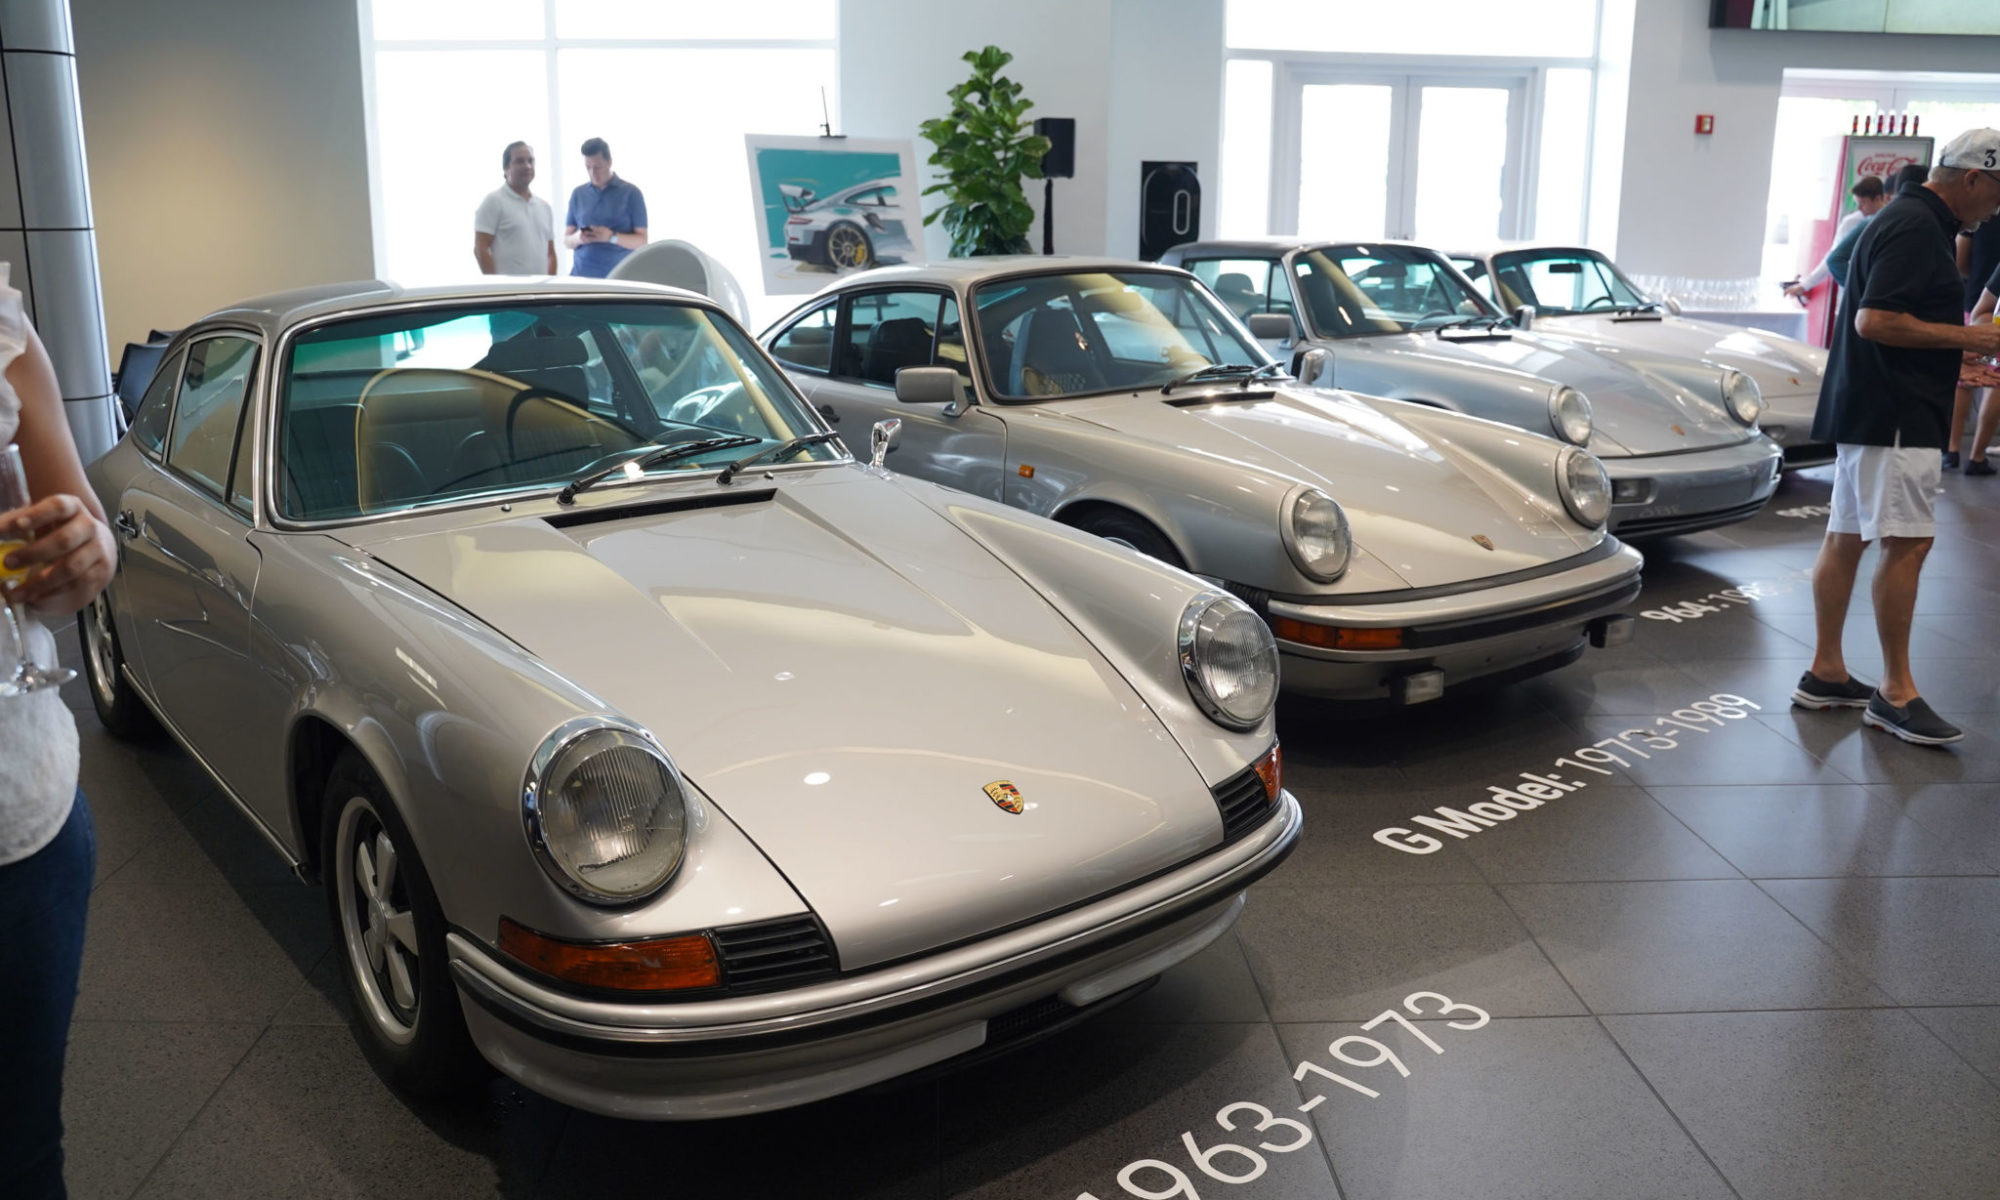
(1229,659)
(605,811)
(1742,397)
(1585,488)
(1315,533)
(1569,415)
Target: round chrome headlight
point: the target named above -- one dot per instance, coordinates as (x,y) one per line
(1229,659)
(605,811)
(1742,397)
(1569,415)
(1315,533)
(1585,488)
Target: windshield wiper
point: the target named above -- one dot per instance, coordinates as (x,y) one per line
(778,451)
(1211,371)
(1264,372)
(650,456)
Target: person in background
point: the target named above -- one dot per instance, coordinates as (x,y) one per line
(1983,375)
(1884,402)
(514,231)
(607,216)
(48,845)
(1978,258)
(1869,197)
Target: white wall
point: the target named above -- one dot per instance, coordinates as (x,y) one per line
(1142,78)
(227,152)
(1694,205)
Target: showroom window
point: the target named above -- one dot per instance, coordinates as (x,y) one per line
(1332,127)
(671,87)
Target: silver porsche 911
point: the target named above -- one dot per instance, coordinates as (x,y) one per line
(1394,549)
(1678,436)
(1580,294)
(642,740)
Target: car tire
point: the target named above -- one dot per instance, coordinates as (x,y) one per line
(1133,532)
(392,956)
(119,708)
(848,247)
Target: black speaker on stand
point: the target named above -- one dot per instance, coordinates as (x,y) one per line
(1058,163)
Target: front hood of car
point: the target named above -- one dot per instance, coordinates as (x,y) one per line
(842,671)
(1414,506)
(1635,410)
(1781,366)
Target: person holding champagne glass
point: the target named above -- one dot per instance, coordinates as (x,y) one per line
(58,556)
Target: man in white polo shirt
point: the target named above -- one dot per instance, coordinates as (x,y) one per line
(514,231)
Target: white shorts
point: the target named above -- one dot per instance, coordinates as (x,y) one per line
(1884,491)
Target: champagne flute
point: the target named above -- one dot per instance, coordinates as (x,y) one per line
(28,676)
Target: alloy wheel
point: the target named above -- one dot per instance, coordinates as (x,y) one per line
(378,928)
(100,643)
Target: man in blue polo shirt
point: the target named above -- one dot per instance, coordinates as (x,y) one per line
(1885,402)
(607,216)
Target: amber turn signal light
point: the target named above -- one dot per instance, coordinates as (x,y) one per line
(654,965)
(1271,769)
(1336,637)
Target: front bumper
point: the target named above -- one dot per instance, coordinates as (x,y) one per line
(1701,489)
(720,1058)
(1517,628)
(1787,420)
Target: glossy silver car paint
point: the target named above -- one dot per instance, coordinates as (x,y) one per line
(1787,371)
(1660,426)
(838,661)
(1209,467)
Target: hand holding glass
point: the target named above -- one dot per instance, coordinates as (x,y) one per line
(27,675)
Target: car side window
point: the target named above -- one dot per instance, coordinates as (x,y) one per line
(213,387)
(886,331)
(242,469)
(156,408)
(951,341)
(1245,284)
(808,344)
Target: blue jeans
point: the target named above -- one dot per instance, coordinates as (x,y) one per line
(43,899)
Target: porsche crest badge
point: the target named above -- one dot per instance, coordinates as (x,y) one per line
(1005,796)
(1484,541)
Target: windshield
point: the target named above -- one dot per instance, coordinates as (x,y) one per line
(1360,291)
(1102,331)
(413,408)
(1563,281)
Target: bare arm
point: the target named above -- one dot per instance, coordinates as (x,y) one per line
(630,241)
(1902,329)
(67,539)
(573,237)
(482,250)
(1982,312)
(552,257)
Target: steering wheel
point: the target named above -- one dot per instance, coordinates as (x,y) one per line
(526,394)
(1604,301)
(1436,312)
(697,406)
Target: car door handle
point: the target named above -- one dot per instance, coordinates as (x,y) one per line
(125,525)
(830,413)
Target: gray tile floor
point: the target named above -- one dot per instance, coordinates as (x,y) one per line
(1762,962)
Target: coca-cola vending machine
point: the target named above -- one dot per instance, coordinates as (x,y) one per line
(1169,207)
(1880,155)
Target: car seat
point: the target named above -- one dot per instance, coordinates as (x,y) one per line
(1235,289)
(1052,357)
(554,364)
(897,343)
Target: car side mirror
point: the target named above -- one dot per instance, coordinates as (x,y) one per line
(1673,306)
(933,385)
(1313,366)
(883,438)
(1524,316)
(1271,327)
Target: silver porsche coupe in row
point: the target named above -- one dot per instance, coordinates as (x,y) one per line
(642,740)
(1395,549)
(1677,435)
(1581,295)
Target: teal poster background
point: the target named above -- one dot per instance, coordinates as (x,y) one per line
(889,222)
(824,171)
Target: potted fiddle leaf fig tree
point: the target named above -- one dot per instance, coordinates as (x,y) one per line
(984,153)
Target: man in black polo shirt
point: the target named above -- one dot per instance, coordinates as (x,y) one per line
(1885,401)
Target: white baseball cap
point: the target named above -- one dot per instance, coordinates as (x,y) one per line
(1975,149)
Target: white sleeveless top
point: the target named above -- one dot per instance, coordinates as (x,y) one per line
(37,732)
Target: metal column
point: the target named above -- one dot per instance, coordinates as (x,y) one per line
(45,225)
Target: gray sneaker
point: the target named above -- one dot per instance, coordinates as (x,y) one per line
(1816,693)
(1914,722)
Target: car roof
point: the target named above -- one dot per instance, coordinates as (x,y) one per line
(281,310)
(1254,247)
(974,270)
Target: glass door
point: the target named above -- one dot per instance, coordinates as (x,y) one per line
(1432,159)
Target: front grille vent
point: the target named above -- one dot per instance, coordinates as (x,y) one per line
(1244,803)
(768,954)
